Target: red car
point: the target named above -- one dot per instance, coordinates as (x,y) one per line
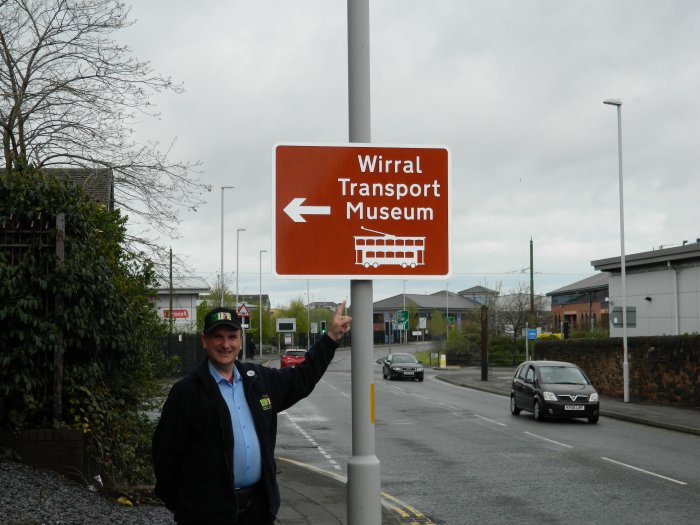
(292,357)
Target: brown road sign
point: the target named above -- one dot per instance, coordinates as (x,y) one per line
(361,211)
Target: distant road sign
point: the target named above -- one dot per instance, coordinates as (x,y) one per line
(402,319)
(361,210)
(243,311)
(287,324)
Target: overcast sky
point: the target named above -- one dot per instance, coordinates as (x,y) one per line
(514,88)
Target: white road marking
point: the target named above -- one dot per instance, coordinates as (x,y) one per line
(643,471)
(547,439)
(313,442)
(491,420)
(336,389)
(451,407)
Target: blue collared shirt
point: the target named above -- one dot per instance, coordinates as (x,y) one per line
(247,463)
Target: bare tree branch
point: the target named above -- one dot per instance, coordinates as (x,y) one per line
(69,95)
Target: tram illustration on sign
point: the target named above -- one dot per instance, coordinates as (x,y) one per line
(384,249)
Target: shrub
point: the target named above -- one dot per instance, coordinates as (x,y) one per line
(96,306)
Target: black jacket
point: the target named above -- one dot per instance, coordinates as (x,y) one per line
(193,442)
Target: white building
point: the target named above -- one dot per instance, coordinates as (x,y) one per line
(663,291)
(186,297)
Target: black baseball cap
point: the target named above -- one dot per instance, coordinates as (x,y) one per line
(221,317)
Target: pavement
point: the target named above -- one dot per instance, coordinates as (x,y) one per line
(313,496)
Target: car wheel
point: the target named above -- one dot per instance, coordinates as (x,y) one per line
(513,406)
(420,379)
(593,419)
(537,411)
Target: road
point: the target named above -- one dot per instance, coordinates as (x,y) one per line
(458,456)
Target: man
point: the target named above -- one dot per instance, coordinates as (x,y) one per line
(213,448)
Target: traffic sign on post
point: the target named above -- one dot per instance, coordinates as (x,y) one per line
(361,211)
(402,319)
(243,311)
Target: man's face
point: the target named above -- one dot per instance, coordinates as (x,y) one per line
(222,345)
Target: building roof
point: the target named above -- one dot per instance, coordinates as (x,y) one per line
(598,281)
(685,253)
(184,285)
(330,305)
(98,183)
(436,301)
(478,290)
(253,299)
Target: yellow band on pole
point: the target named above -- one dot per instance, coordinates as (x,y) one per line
(371,403)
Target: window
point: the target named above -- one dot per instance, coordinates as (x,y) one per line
(530,376)
(616,316)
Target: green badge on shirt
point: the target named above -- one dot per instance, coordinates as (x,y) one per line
(265,403)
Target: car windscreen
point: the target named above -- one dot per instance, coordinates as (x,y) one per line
(562,375)
(403,359)
(295,353)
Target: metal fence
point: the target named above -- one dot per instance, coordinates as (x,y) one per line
(180,353)
(42,237)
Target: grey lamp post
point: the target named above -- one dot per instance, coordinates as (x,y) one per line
(308,317)
(238,231)
(260,305)
(221,280)
(625,362)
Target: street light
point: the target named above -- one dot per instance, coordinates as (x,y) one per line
(308,317)
(238,231)
(260,306)
(221,302)
(625,362)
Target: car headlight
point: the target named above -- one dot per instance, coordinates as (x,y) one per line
(594,397)
(419,369)
(549,396)
(396,368)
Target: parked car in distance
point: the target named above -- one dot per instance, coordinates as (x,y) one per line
(553,389)
(402,366)
(292,357)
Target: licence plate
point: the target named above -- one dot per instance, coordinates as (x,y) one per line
(574,407)
(408,373)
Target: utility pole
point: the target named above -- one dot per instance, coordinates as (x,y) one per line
(533,317)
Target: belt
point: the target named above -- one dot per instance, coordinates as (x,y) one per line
(244,497)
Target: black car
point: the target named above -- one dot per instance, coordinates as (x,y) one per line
(402,366)
(553,389)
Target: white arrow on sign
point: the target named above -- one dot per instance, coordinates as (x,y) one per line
(295,210)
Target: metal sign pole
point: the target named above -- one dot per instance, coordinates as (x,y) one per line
(363,489)
(527,342)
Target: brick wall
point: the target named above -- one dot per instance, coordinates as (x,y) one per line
(664,370)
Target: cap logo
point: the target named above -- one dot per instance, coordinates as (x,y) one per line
(221,316)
